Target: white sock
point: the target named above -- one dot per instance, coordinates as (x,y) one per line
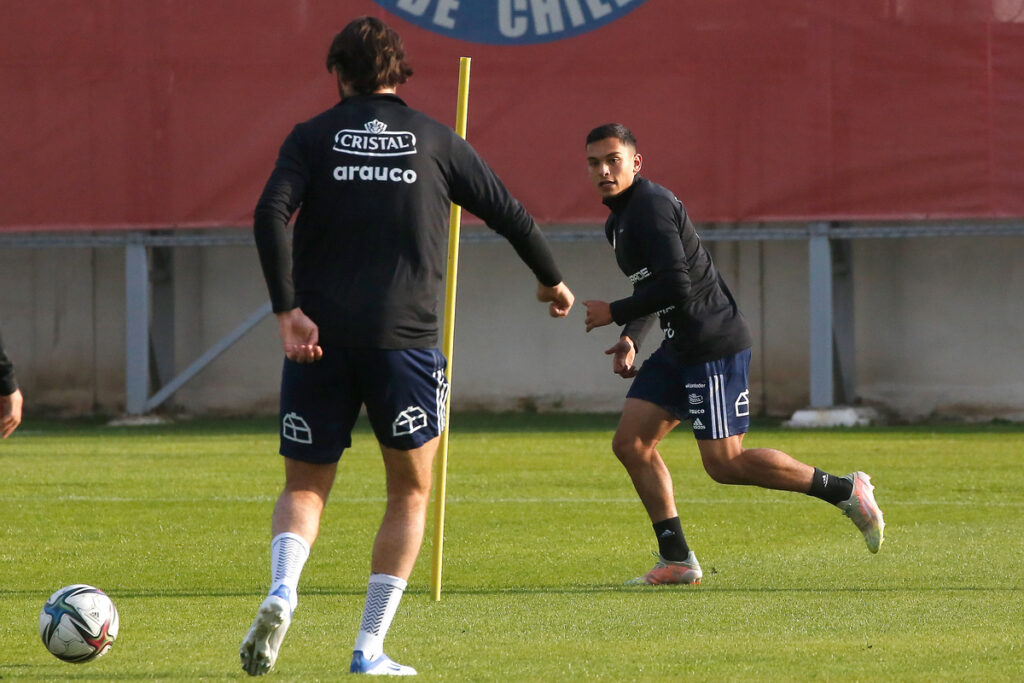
(382,598)
(288,553)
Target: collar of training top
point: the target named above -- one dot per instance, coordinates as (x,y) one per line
(618,202)
(375,97)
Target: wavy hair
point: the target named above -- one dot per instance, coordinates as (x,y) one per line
(369,55)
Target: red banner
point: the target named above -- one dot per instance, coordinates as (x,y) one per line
(126,114)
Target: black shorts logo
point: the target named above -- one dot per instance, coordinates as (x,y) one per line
(296,429)
(410,420)
(742,405)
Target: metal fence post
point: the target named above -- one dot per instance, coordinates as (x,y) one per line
(820,266)
(136,325)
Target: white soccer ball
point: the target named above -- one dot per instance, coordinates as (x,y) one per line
(78,623)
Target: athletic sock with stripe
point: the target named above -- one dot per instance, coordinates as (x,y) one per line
(382,598)
(671,541)
(829,487)
(288,554)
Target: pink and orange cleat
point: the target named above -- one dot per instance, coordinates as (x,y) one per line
(863,511)
(668,572)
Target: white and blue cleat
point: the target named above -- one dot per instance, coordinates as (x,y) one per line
(262,643)
(381,666)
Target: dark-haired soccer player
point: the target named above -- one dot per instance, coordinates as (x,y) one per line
(699,373)
(356,299)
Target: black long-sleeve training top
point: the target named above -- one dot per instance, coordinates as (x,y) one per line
(673,277)
(374,179)
(8,384)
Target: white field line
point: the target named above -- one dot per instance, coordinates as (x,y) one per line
(457,500)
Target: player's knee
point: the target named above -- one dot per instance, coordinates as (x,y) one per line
(718,473)
(629,449)
(722,470)
(306,488)
(622,446)
(411,489)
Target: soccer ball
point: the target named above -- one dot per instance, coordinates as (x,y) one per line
(78,623)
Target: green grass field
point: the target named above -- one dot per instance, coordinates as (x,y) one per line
(542,530)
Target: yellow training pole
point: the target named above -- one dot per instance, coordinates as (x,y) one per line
(454,224)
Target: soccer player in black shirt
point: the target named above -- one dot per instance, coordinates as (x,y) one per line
(10,396)
(699,373)
(356,299)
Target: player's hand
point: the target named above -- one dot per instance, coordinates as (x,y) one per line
(560,297)
(299,336)
(10,413)
(624,356)
(599,314)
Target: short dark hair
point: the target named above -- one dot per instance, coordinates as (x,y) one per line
(612,130)
(369,54)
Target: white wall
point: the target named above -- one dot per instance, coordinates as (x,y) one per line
(939,327)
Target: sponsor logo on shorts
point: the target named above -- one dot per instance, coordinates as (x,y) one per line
(696,411)
(697,424)
(294,428)
(410,420)
(742,405)
(696,386)
(695,399)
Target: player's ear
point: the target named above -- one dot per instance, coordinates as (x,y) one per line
(638,161)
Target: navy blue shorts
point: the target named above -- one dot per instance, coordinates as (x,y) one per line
(404,390)
(714,396)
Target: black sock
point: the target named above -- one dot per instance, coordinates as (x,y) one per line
(829,487)
(671,542)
